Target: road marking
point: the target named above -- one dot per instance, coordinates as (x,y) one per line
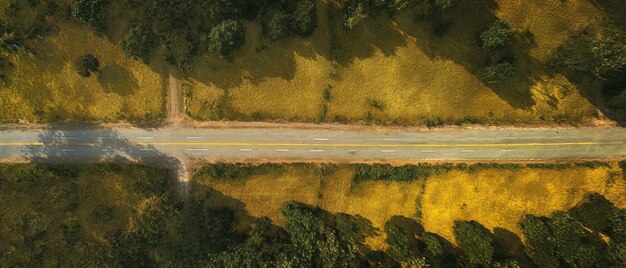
(316,151)
(468,151)
(70,138)
(427,151)
(145,138)
(320,139)
(388,151)
(282,150)
(108,150)
(146,149)
(353,151)
(245,150)
(537,144)
(390,139)
(507,150)
(194,138)
(68,150)
(197,149)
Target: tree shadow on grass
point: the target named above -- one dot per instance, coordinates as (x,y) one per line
(115,79)
(460,44)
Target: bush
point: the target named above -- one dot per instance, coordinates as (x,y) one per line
(475,240)
(86,64)
(226,37)
(355,16)
(276,22)
(603,56)
(89,12)
(386,172)
(496,73)
(305,18)
(226,171)
(497,36)
(140,42)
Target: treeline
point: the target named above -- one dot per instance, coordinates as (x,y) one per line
(50,218)
(187,28)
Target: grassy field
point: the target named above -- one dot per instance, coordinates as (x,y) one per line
(44,87)
(493,196)
(385,71)
(397,72)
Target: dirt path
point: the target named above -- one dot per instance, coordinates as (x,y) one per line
(174,114)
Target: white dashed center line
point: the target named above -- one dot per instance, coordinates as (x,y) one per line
(197,149)
(316,151)
(427,151)
(145,138)
(507,150)
(388,151)
(282,150)
(320,139)
(194,138)
(245,150)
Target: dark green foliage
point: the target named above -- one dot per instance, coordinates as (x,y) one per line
(90,12)
(86,64)
(226,37)
(497,36)
(433,245)
(102,213)
(496,73)
(570,238)
(475,240)
(179,49)
(594,212)
(539,248)
(618,101)
(443,4)
(356,15)
(227,171)
(140,42)
(617,225)
(276,22)
(305,18)
(617,254)
(603,55)
(385,172)
(317,243)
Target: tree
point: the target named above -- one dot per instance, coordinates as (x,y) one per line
(475,240)
(497,36)
(86,64)
(305,18)
(496,73)
(89,12)
(226,37)
(140,41)
(603,55)
(276,22)
(355,16)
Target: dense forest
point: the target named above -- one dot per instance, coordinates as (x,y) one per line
(96,215)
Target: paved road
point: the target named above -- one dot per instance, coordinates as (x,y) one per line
(529,144)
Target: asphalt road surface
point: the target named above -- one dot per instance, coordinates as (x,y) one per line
(303,144)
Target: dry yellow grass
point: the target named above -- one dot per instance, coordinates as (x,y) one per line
(401,64)
(494,197)
(499,198)
(277,80)
(45,87)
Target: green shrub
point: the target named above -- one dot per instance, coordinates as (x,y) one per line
(227,171)
(226,37)
(386,172)
(304,18)
(476,241)
(497,36)
(276,22)
(603,55)
(496,73)
(89,12)
(140,42)
(86,64)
